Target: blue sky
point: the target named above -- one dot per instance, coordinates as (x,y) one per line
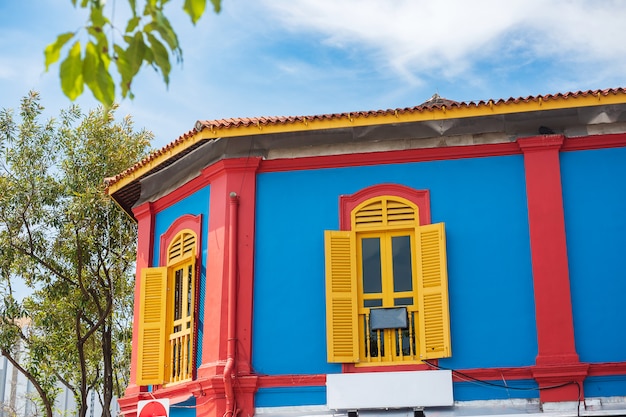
(307,57)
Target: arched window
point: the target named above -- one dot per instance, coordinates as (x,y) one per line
(181,277)
(167,304)
(386,284)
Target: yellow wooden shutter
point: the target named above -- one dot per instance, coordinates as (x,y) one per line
(341,297)
(152,313)
(434,316)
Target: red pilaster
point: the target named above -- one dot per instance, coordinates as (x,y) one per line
(145,240)
(226,176)
(557,361)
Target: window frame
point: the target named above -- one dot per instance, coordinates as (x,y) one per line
(347,239)
(387,296)
(185,263)
(162,278)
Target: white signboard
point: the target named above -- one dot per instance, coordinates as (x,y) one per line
(377,390)
(153,408)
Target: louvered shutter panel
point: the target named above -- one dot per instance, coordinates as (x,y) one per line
(341,297)
(434,316)
(183,245)
(151,352)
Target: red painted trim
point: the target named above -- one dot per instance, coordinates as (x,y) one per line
(350,368)
(555,328)
(226,176)
(213,344)
(211,390)
(542,144)
(495,374)
(390,157)
(431,154)
(347,203)
(145,215)
(482,374)
(283,381)
(203,180)
(607,369)
(231,357)
(595,142)
(231,166)
(557,360)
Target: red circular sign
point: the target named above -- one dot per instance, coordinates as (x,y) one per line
(153,409)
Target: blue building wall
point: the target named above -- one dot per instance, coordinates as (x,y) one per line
(494,390)
(483,203)
(605,386)
(276,397)
(195,204)
(184,409)
(594,198)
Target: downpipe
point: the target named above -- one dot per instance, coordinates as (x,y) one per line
(229,369)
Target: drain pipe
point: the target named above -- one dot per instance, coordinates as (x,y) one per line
(229,369)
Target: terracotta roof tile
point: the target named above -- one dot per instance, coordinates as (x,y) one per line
(434,103)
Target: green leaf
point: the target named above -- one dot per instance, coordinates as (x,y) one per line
(97,77)
(195,9)
(96,17)
(135,53)
(123,68)
(126,69)
(133,6)
(149,7)
(217,5)
(163,27)
(71,72)
(161,57)
(149,57)
(90,63)
(132,24)
(52,52)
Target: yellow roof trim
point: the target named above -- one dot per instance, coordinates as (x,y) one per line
(347,120)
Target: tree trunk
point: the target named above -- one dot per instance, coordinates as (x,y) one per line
(80,346)
(45,399)
(107,382)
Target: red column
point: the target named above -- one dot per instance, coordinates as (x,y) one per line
(145,240)
(226,176)
(557,361)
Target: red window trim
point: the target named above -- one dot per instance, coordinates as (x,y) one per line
(187,221)
(347,203)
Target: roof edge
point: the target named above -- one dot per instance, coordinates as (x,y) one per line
(224,128)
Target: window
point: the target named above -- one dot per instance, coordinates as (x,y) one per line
(166,322)
(386,286)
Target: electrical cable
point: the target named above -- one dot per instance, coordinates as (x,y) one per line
(468,378)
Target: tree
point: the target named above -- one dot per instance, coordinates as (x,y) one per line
(148,37)
(74,248)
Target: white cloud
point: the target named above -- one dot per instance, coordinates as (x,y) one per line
(417,37)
